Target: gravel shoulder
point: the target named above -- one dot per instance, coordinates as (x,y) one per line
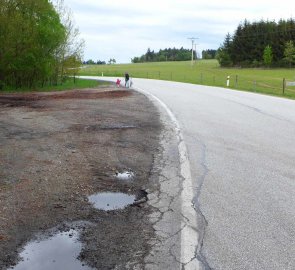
(56,149)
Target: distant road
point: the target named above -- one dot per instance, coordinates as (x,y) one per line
(241,150)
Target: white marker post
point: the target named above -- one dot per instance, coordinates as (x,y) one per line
(227,81)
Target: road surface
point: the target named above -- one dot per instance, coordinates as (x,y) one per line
(241,152)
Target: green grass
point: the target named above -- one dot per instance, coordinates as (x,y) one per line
(67,85)
(204,72)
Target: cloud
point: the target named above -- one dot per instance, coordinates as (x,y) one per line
(124,29)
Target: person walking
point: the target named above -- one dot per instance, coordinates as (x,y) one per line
(126,80)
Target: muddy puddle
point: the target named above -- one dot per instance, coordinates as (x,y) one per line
(60,251)
(111,200)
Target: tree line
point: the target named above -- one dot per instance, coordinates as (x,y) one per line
(263,43)
(170,54)
(92,62)
(39,43)
(99,62)
(209,54)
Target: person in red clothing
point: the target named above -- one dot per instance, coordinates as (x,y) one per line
(118,82)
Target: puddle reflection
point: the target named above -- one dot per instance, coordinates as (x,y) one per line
(111,200)
(58,252)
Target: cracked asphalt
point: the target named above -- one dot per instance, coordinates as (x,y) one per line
(240,152)
(220,176)
(172,224)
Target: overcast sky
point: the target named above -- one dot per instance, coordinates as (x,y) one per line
(122,29)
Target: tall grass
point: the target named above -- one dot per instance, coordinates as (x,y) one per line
(204,72)
(67,85)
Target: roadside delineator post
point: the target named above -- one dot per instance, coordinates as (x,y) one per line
(227,81)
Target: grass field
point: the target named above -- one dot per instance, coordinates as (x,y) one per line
(67,85)
(205,72)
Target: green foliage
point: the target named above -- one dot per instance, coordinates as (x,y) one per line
(267,56)
(164,55)
(223,53)
(68,84)
(209,54)
(246,48)
(112,61)
(30,33)
(32,36)
(289,52)
(223,58)
(91,62)
(69,54)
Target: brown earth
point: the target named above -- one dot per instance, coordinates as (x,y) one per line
(58,148)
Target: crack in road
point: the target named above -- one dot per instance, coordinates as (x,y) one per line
(197,206)
(176,226)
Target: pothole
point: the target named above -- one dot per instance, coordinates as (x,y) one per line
(126,175)
(60,251)
(111,200)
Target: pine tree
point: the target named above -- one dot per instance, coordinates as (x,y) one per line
(250,40)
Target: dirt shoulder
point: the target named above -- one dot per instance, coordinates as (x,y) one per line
(58,148)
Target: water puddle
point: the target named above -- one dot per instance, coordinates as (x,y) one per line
(58,252)
(127,175)
(111,200)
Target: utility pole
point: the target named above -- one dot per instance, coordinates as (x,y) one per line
(193,41)
(196,52)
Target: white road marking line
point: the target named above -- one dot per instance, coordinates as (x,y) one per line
(189,233)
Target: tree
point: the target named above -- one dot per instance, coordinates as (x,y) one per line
(164,55)
(99,62)
(223,58)
(30,32)
(90,62)
(267,55)
(38,43)
(112,61)
(289,52)
(150,55)
(223,53)
(209,54)
(250,39)
(135,60)
(71,47)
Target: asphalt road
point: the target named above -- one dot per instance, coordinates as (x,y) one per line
(241,149)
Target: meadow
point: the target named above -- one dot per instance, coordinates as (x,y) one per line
(205,72)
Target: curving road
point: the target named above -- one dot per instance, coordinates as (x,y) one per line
(241,149)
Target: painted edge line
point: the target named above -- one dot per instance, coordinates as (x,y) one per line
(189,233)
